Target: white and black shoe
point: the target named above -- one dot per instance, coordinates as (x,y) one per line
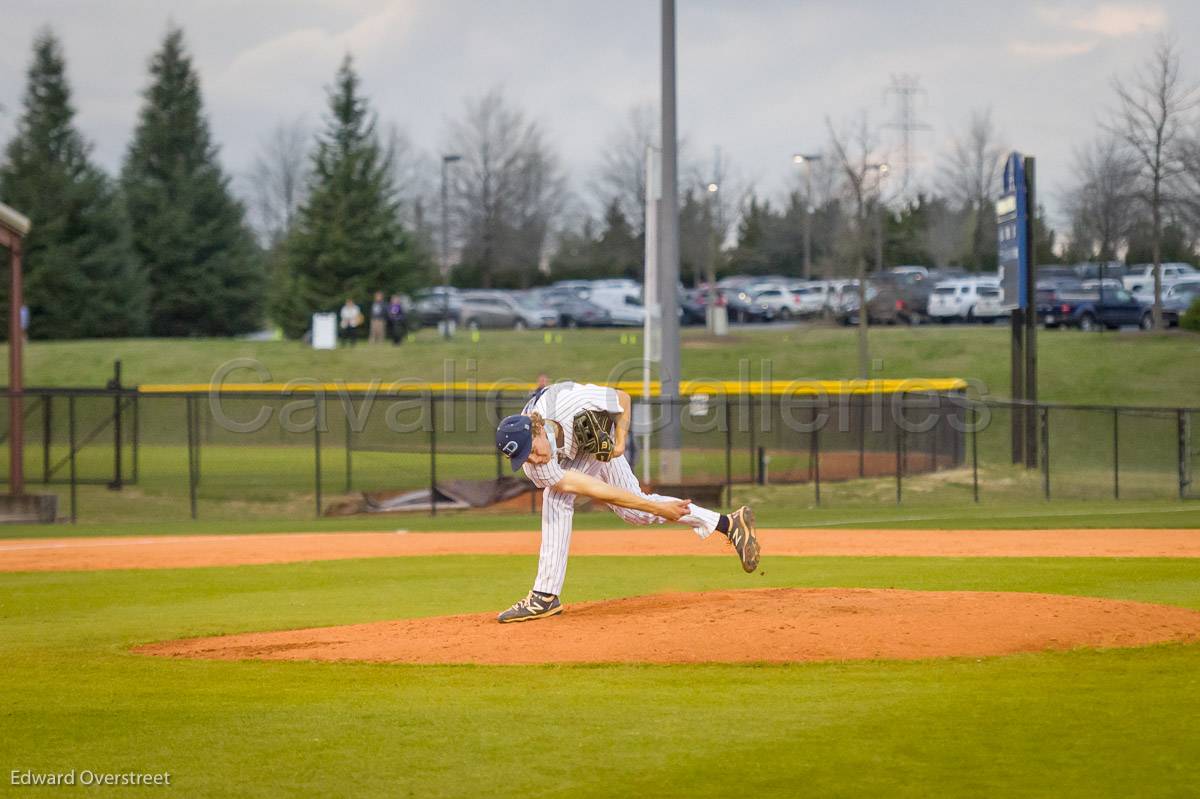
(533,606)
(741,535)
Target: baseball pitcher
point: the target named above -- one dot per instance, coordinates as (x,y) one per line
(570,440)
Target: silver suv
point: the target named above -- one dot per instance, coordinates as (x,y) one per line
(498,309)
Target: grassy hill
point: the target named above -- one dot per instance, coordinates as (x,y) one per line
(1108,368)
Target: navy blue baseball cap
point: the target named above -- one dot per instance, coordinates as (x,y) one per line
(514,437)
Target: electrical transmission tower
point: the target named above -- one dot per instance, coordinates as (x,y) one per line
(906,87)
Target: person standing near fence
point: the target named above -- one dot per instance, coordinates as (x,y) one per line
(397,319)
(570,440)
(351,320)
(379,315)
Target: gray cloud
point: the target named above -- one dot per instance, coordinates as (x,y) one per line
(756,79)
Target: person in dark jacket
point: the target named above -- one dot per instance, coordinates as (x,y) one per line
(397,320)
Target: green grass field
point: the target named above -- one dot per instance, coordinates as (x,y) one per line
(1111,368)
(1083,723)
(1076,724)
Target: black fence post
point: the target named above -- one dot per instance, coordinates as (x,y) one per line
(137,434)
(1116,454)
(317,448)
(1045,451)
(753,448)
(47,428)
(192,443)
(349,450)
(814,457)
(71,444)
(975,452)
(900,457)
(432,455)
(115,386)
(862,435)
(1182,430)
(761,466)
(196,435)
(496,413)
(728,454)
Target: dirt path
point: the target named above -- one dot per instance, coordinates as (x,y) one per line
(773,625)
(169,552)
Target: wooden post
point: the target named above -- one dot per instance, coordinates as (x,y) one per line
(16,383)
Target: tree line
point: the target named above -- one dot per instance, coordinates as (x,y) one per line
(176,246)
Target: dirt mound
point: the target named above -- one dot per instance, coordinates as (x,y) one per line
(772,625)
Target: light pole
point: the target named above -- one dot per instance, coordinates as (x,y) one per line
(806,160)
(881,171)
(447,160)
(864,355)
(716,323)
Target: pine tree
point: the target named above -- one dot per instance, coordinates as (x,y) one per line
(205,271)
(348,240)
(81,276)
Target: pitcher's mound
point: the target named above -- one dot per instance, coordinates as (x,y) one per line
(774,625)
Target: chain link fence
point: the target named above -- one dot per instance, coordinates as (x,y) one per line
(121,454)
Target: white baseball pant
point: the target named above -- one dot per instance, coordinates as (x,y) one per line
(558,512)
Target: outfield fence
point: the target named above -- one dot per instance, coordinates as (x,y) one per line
(125,453)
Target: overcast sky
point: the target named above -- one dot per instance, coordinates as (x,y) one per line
(756,78)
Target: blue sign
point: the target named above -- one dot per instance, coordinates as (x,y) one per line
(1012,231)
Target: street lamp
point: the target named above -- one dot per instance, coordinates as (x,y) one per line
(806,160)
(712,313)
(881,171)
(447,160)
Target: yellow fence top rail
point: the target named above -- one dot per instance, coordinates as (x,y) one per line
(634,387)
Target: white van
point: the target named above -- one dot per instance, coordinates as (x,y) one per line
(622,304)
(954,300)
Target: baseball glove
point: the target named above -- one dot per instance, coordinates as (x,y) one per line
(593,434)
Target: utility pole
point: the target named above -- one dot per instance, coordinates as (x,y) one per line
(447,160)
(906,87)
(806,160)
(669,368)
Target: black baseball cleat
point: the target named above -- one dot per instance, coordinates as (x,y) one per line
(741,535)
(533,606)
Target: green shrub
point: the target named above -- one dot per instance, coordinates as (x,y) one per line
(1191,318)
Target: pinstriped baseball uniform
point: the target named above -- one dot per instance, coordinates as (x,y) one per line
(559,404)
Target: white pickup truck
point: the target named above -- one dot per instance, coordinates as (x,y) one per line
(1140,282)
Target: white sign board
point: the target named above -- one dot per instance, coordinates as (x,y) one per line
(324,331)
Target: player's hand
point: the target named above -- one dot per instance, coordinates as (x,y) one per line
(674,510)
(618,449)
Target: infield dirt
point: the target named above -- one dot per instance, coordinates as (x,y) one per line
(174,552)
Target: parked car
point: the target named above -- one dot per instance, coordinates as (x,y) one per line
(990,305)
(1095,309)
(907,289)
(809,301)
(777,302)
(623,307)
(923,271)
(497,309)
(692,306)
(1140,280)
(741,307)
(955,299)
(432,304)
(1177,300)
(573,311)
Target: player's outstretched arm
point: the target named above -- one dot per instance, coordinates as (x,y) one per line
(585,485)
